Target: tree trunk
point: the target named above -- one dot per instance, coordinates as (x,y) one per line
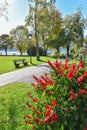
(44,45)
(36,32)
(58,49)
(20,52)
(46,50)
(67,50)
(6,51)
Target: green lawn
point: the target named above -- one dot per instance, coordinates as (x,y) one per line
(13,109)
(6,62)
(13,98)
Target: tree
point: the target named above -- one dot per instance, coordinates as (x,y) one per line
(51,25)
(20,38)
(3,8)
(6,42)
(74,26)
(34,17)
(85,46)
(85,40)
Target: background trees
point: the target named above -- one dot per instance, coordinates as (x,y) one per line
(39,16)
(20,38)
(74,30)
(49,28)
(6,42)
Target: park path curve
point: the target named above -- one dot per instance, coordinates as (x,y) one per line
(24,74)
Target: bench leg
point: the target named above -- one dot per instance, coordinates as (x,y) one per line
(17,65)
(25,64)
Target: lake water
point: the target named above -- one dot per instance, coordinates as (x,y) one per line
(15,52)
(11,52)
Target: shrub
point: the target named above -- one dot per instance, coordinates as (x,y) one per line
(33,51)
(61,101)
(62,56)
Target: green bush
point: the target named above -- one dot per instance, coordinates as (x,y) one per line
(62,56)
(61,103)
(33,51)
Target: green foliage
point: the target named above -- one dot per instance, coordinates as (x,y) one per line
(20,38)
(61,100)
(45,19)
(74,29)
(85,40)
(62,56)
(6,42)
(33,51)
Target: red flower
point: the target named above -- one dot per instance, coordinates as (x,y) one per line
(82,91)
(50,63)
(85,128)
(46,119)
(54,102)
(68,87)
(48,92)
(65,65)
(48,106)
(71,72)
(35,99)
(29,94)
(54,117)
(72,95)
(35,85)
(29,116)
(29,122)
(81,64)
(48,112)
(38,120)
(81,78)
(35,78)
(57,64)
(29,105)
(37,112)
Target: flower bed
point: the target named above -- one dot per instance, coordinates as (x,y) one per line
(61,102)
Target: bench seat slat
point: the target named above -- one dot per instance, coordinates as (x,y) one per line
(17,62)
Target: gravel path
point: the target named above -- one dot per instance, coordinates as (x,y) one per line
(23,75)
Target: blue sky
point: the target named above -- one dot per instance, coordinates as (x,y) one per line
(68,7)
(18,9)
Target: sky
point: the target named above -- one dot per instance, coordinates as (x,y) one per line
(18,10)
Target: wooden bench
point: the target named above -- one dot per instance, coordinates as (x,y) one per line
(18,62)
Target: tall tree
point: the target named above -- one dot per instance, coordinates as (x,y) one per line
(58,41)
(20,35)
(74,26)
(85,40)
(33,18)
(51,24)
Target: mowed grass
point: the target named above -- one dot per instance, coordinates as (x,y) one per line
(7,65)
(13,109)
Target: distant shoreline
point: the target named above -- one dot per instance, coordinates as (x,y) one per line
(11,52)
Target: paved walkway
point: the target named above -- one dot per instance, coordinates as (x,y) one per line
(23,75)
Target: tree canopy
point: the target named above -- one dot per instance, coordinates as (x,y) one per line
(20,34)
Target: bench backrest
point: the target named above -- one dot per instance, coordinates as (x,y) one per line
(19,60)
